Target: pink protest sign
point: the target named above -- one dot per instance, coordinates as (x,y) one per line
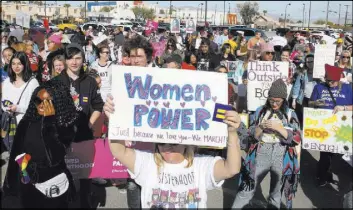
(158,48)
(93,159)
(150,27)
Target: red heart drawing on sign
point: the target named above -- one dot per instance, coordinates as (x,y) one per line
(182,104)
(148,102)
(155,103)
(214,98)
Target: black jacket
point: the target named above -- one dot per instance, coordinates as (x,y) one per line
(87,99)
(55,140)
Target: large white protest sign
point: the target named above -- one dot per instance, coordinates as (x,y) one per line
(324,54)
(168,106)
(261,75)
(327,132)
(22,19)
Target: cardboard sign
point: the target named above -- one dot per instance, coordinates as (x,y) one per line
(190,26)
(326,132)
(261,75)
(175,26)
(167,105)
(232,68)
(324,54)
(22,19)
(93,159)
(99,39)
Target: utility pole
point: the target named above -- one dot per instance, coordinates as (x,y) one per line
(345,19)
(215,12)
(201,12)
(303,16)
(45,9)
(328,4)
(170,10)
(85,11)
(339,14)
(205,12)
(309,15)
(224,11)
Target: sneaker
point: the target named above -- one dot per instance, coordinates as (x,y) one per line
(99,181)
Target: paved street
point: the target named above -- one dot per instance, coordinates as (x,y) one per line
(308,195)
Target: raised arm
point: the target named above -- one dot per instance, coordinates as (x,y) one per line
(124,154)
(225,169)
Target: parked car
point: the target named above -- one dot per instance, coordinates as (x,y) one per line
(248,32)
(317,33)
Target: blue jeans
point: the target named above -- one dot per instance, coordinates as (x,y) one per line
(133,194)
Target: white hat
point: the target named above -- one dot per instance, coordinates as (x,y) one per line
(240,32)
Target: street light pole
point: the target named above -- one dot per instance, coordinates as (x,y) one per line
(303,16)
(201,11)
(285,14)
(224,11)
(328,4)
(205,12)
(45,9)
(345,19)
(170,10)
(309,15)
(214,20)
(339,14)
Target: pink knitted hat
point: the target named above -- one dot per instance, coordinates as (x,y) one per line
(55,38)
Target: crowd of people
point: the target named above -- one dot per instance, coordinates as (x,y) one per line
(54,90)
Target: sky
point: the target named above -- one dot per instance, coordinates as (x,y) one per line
(274,8)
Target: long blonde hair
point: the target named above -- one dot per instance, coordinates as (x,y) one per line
(348,65)
(188,155)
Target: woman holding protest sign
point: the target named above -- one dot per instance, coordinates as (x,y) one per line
(330,95)
(173,171)
(275,133)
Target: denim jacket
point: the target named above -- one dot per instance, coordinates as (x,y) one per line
(299,87)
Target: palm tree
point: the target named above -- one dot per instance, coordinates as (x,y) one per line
(67,9)
(265,11)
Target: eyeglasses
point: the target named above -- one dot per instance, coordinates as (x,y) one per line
(272,102)
(345,57)
(270,53)
(106,52)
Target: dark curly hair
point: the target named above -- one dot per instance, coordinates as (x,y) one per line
(139,42)
(65,111)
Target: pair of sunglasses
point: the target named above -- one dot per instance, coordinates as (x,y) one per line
(268,53)
(345,57)
(38,101)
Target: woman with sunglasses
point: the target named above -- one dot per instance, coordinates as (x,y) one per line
(267,52)
(175,169)
(170,50)
(37,172)
(345,63)
(275,148)
(330,95)
(102,67)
